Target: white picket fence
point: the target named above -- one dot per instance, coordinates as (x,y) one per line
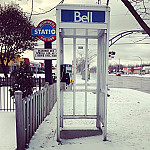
(31,111)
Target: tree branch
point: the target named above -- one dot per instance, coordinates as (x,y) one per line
(136,16)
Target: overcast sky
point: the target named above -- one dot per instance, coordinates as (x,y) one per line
(121,20)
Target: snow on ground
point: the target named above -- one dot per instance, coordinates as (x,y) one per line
(128,126)
(7,131)
(43,75)
(133,75)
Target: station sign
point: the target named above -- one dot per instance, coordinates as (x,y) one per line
(43,54)
(82,16)
(46,31)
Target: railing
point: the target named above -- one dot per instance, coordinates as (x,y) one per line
(7,81)
(31,111)
(7,103)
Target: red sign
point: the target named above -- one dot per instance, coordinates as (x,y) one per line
(46,31)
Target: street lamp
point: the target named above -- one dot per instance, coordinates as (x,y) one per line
(141,63)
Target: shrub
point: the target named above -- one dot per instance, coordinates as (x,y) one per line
(22,79)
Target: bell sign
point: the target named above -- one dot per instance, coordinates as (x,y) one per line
(82,16)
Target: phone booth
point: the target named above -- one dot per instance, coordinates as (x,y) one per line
(76,23)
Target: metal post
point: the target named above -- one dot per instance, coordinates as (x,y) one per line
(74,73)
(105,87)
(48,66)
(98,84)
(86,73)
(61,92)
(58,75)
(101,77)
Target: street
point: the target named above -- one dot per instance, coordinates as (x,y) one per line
(131,82)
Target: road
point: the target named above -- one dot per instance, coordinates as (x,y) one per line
(131,82)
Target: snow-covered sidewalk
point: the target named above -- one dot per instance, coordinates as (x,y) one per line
(128,126)
(7,131)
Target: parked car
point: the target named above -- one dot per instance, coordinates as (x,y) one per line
(118,74)
(41,71)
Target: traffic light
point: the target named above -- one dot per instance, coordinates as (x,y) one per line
(112,53)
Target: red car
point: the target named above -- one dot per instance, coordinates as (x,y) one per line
(118,74)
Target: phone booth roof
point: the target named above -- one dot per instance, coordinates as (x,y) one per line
(82,21)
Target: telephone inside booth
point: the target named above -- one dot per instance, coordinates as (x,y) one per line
(66,77)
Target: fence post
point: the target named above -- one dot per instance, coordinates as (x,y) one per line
(55,91)
(0,93)
(39,83)
(45,99)
(19,120)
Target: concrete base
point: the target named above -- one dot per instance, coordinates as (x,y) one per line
(78,133)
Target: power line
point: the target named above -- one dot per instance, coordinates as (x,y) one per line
(31,11)
(47,10)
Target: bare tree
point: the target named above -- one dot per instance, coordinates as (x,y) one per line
(81,59)
(15,34)
(140,12)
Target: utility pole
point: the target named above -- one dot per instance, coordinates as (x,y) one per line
(119,65)
(99,2)
(141,63)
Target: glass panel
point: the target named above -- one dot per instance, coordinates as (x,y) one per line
(68,51)
(67,31)
(81,32)
(92,32)
(92,64)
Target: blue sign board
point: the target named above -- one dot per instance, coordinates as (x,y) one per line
(82,16)
(46,31)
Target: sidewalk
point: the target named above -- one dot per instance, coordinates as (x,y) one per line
(128,126)
(7,131)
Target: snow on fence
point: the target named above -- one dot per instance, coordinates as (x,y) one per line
(31,111)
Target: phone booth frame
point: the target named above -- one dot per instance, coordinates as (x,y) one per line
(102,35)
